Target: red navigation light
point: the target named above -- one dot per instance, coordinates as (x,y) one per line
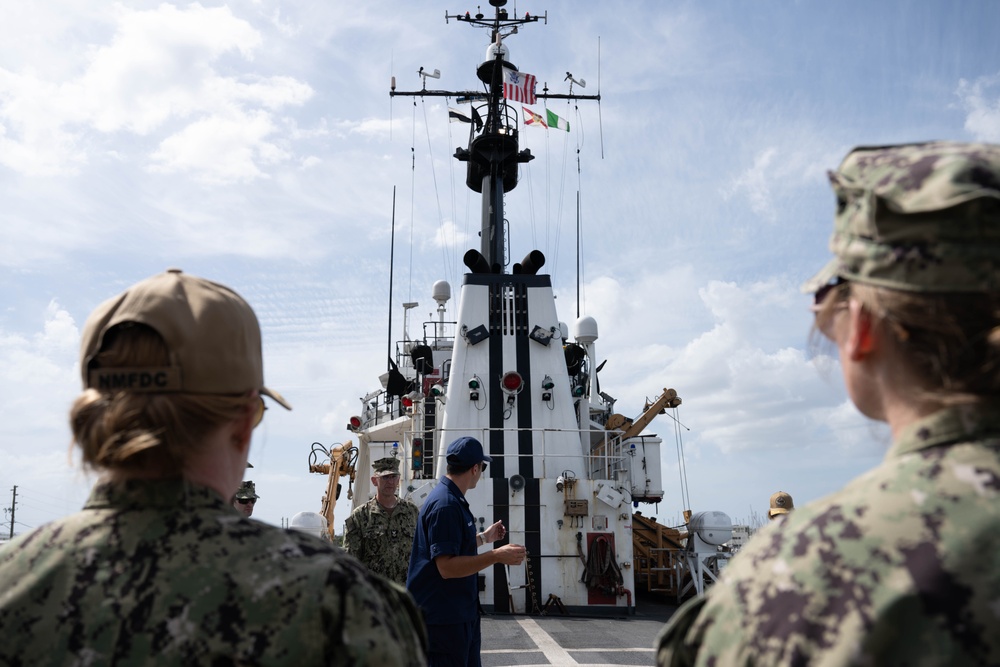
(407,402)
(511,381)
(354,423)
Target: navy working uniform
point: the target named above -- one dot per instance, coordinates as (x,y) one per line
(901,566)
(169,569)
(382,537)
(898,568)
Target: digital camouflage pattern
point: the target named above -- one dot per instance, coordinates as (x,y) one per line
(169,572)
(382,540)
(247,490)
(901,567)
(386,467)
(917,217)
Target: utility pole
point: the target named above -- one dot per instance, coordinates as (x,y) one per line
(13,506)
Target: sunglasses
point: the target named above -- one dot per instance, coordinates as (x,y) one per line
(484,466)
(244,501)
(824,291)
(259,416)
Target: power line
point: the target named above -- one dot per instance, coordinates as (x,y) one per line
(13,506)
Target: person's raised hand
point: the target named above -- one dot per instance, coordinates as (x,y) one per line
(494,533)
(511,554)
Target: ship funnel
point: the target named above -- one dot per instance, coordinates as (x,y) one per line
(476,262)
(533,261)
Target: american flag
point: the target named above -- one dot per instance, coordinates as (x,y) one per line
(519,86)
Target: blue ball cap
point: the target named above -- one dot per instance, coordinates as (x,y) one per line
(466,451)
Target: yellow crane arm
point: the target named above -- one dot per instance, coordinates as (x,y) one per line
(668,399)
(338,466)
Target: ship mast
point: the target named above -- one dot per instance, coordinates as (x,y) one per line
(493,156)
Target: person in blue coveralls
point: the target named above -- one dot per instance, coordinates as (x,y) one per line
(445,559)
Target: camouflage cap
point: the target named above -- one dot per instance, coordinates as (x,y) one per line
(781,503)
(917,217)
(247,490)
(385,467)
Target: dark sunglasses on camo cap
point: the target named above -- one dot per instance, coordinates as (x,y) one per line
(824,291)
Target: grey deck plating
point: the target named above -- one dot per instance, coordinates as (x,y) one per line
(566,640)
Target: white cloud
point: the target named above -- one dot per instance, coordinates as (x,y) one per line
(779,171)
(754,183)
(448,235)
(60,334)
(369,127)
(158,70)
(746,383)
(158,66)
(286,104)
(286,27)
(981,100)
(34,138)
(43,359)
(38,381)
(220,149)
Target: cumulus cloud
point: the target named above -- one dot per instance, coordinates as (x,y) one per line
(734,352)
(35,133)
(220,149)
(746,380)
(38,381)
(159,70)
(980,98)
(42,358)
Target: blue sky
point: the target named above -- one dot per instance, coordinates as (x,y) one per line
(256,144)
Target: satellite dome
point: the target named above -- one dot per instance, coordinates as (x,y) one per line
(441,292)
(491,52)
(309,522)
(585,330)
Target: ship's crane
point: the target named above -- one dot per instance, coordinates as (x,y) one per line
(668,399)
(340,462)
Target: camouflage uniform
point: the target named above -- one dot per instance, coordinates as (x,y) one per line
(247,490)
(382,540)
(900,567)
(168,571)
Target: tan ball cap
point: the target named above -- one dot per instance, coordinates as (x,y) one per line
(212,335)
(781,503)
